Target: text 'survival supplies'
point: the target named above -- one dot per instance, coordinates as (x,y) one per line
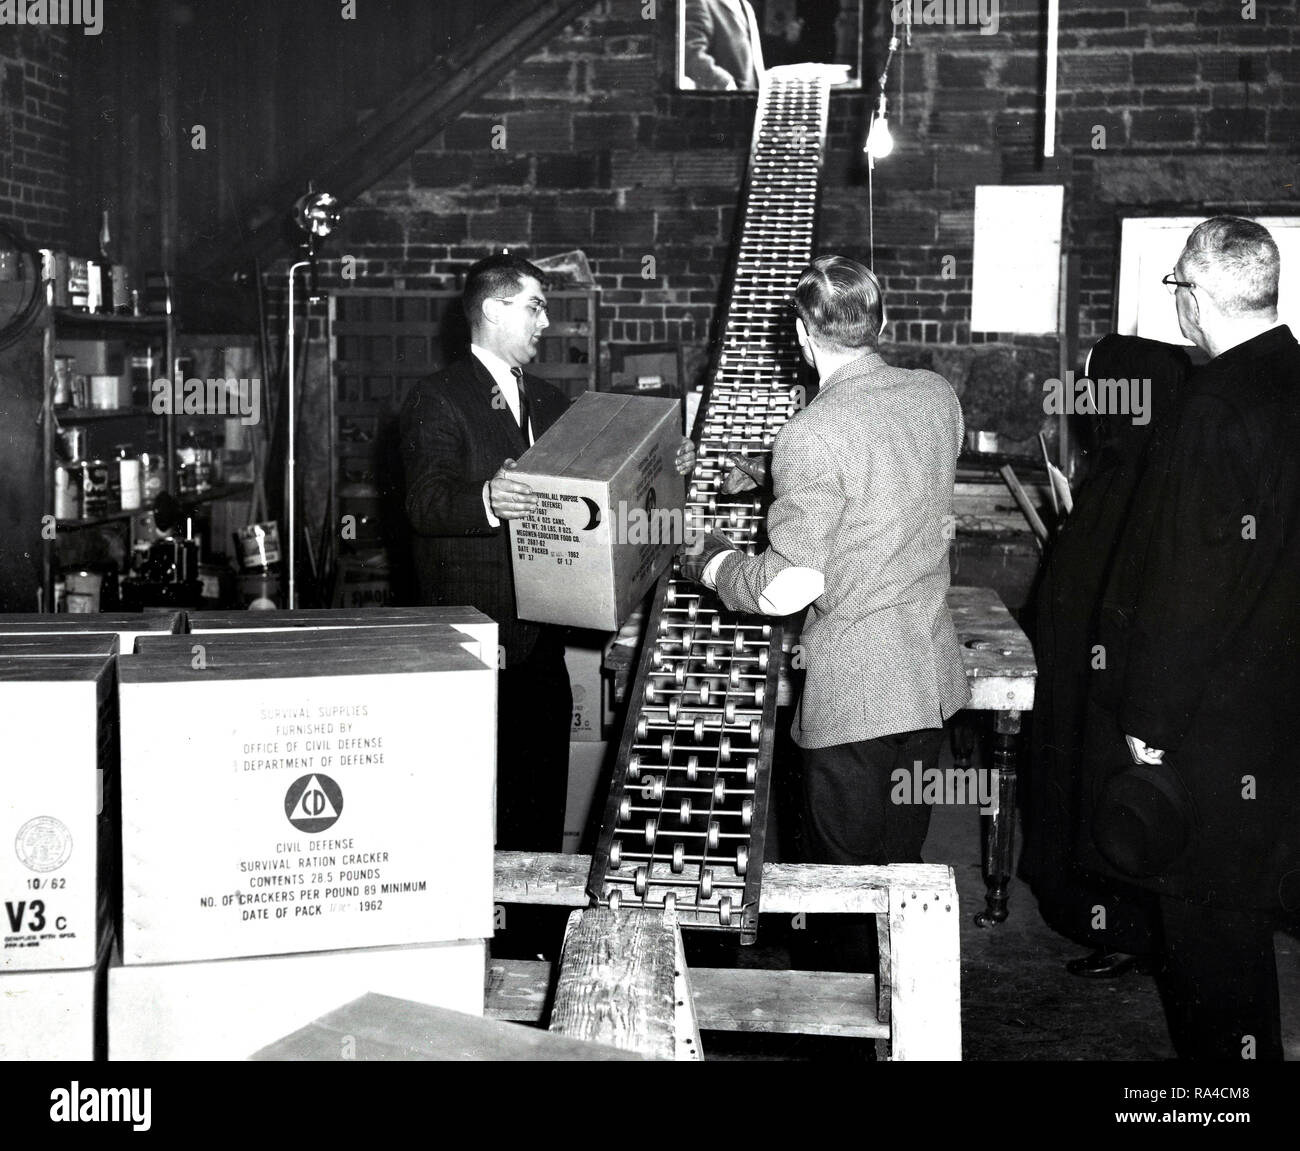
(289,792)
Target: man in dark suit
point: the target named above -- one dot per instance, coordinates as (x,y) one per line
(721,48)
(1192,783)
(461,433)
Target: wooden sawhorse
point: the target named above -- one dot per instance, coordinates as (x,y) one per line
(608,992)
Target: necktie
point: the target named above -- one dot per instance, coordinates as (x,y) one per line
(518,374)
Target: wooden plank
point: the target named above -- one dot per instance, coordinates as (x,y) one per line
(775,1002)
(687,1024)
(799,1002)
(380,1028)
(616,981)
(557,880)
(517,989)
(925,961)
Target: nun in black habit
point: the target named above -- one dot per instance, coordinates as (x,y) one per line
(1096,911)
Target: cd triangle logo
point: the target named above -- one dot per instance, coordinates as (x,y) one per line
(313,803)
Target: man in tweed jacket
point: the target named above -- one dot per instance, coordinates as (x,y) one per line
(862,482)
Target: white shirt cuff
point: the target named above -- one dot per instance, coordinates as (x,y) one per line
(487,505)
(792,590)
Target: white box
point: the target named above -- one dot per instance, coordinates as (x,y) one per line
(58,780)
(53,1016)
(231,1008)
(127,626)
(586,774)
(253,823)
(584,659)
(612,511)
(470,620)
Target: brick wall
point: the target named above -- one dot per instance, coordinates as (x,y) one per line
(1162,106)
(34,133)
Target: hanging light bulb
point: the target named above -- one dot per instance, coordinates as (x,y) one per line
(879,142)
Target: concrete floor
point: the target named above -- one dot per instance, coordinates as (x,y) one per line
(1018,1001)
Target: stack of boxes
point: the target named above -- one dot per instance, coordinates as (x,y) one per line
(303,804)
(306,816)
(58,834)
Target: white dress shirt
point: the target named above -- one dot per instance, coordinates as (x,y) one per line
(508,386)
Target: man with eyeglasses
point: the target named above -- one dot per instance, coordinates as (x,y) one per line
(461,432)
(1192,786)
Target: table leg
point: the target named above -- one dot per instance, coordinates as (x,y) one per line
(1002,821)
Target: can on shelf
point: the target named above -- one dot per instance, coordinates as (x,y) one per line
(128,468)
(151,476)
(72,444)
(94,489)
(63,371)
(104,393)
(67,491)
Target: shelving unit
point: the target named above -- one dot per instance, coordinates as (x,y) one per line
(37,544)
(134,425)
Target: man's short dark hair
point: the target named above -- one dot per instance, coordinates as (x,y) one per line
(840,302)
(1236,261)
(500,276)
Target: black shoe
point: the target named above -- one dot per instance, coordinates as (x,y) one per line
(1101,964)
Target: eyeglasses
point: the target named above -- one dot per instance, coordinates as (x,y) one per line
(1174,284)
(534,309)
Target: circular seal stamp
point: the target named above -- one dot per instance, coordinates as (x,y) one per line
(43,844)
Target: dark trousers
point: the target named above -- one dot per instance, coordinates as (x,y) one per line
(534,719)
(850,816)
(1219,982)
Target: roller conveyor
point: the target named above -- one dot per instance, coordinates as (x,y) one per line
(684,822)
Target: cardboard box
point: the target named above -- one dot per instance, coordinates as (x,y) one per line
(58,786)
(231,1008)
(127,626)
(338,794)
(54,1016)
(583,656)
(586,775)
(477,626)
(612,511)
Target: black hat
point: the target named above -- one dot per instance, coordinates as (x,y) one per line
(1143,819)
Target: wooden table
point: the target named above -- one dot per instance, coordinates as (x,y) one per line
(1001,670)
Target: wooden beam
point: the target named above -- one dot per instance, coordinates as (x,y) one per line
(557,880)
(617,981)
(368,151)
(837,1003)
(687,1024)
(925,969)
